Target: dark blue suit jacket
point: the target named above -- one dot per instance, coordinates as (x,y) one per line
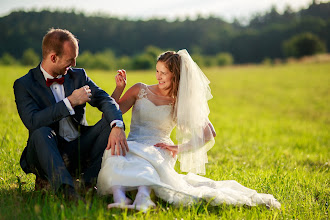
(37,107)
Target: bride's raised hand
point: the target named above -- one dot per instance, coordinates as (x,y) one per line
(120,84)
(121,79)
(172,148)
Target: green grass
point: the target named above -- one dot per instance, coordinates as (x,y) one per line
(272,126)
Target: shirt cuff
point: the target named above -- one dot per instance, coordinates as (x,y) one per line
(115,121)
(68,106)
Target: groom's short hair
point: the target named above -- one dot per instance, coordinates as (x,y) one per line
(54,40)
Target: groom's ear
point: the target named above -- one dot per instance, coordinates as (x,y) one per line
(53,57)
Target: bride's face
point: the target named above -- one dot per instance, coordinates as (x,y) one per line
(164,76)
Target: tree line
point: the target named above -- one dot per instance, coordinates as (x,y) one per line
(109,42)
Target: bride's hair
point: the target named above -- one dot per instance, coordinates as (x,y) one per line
(172,61)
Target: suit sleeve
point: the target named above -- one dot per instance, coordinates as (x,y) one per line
(32,114)
(104,102)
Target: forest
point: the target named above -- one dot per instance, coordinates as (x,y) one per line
(211,40)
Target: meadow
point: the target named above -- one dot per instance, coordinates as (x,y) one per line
(272,125)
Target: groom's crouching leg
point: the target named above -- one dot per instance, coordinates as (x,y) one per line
(99,134)
(44,159)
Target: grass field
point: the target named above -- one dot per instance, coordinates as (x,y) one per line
(272,126)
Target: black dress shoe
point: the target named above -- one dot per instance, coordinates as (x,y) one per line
(41,184)
(84,188)
(69,193)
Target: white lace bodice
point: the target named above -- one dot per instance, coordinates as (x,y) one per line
(151,123)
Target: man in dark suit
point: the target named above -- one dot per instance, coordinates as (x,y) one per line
(51,101)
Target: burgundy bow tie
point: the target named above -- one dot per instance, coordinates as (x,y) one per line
(49,81)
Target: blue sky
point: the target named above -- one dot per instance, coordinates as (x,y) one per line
(170,9)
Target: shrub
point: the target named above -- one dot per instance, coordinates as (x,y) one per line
(199,59)
(125,62)
(143,61)
(303,44)
(102,60)
(7,59)
(153,51)
(224,59)
(85,59)
(267,61)
(30,58)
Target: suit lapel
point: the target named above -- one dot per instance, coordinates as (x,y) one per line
(38,75)
(68,84)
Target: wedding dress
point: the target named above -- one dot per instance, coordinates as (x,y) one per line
(147,165)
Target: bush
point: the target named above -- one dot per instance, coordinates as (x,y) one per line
(125,62)
(30,58)
(224,59)
(143,61)
(7,59)
(85,59)
(199,59)
(267,61)
(146,60)
(210,61)
(304,44)
(153,51)
(102,60)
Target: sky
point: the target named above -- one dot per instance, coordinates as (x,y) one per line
(168,9)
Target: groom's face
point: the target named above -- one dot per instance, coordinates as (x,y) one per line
(66,59)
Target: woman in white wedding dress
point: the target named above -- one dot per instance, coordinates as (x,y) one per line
(179,99)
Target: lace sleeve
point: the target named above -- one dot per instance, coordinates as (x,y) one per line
(142,92)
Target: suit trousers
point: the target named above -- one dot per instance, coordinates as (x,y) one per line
(53,158)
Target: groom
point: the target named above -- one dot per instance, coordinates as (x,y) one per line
(51,101)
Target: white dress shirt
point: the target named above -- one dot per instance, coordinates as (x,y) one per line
(67,130)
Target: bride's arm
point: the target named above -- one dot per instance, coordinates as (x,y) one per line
(129,98)
(209,133)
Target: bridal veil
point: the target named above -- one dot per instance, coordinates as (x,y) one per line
(194,133)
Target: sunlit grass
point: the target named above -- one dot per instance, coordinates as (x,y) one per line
(272,125)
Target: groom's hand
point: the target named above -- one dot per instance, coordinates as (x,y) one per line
(117,142)
(80,96)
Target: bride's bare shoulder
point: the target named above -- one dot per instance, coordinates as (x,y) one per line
(141,85)
(136,88)
(152,88)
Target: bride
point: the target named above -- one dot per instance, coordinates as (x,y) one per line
(179,99)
